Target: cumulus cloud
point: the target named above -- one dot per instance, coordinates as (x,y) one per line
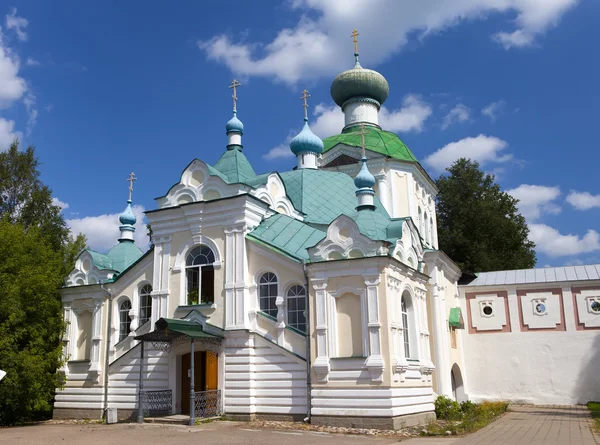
(7,133)
(17,24)
(32,62)
(410,117)
(460,113)
(59,203)
(30,102)
(483,149)
(102,231)
(551,242)
(494,110)
(282,151)
(319,45)
(12,86)
(535,200)
(583,200)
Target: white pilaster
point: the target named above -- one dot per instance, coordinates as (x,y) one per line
(438,320)
(321,364)
(96,335)
(240,276)
(66,338)
(229,277)
(384,191)
(375,361)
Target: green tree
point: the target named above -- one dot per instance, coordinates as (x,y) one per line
(479,225)
(36,253)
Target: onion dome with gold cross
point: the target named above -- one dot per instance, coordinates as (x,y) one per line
(359,84)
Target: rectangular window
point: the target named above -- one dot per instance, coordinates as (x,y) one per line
(207,291)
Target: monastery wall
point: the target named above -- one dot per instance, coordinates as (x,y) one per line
(535,344)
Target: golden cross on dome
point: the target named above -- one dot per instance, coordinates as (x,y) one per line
(305,96)
(354,36)
(362,133)
(130,180)
(234,85)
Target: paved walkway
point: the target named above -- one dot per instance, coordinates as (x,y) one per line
(537,425)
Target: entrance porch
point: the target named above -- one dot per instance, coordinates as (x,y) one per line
(196,383)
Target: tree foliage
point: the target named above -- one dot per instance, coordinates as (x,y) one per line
(479,225)
(36,253)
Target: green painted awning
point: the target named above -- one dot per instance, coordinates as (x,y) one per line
(169,329)
(455,319)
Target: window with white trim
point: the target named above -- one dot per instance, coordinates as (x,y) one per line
(200,276)
(145,304)
(405,327)
(296,307)
(267,288)
(124,319)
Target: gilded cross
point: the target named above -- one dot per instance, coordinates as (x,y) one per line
(305,96)
(234,85)
(130,180)
(354,36)
(362,133)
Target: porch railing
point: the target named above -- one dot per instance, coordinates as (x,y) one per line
(158,403)
(208,403)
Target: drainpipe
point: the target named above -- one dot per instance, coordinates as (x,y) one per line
(308,379)
(106,352)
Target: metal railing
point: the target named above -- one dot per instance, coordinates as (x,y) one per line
(208,403)
(158,403)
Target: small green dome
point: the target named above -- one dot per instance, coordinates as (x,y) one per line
(306,141)
(364,179)
(359,82)
(234,125)
(127,218)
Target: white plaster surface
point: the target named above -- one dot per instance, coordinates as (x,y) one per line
(493,322)
(547,319)
(587,316)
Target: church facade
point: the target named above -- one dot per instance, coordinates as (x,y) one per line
(314,293)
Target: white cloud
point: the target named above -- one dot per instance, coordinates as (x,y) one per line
(534,200)
(583,200)
(551,242)
(59,203)
(31,107)
(411,116)
(32,62)
(17,24)
(460,113)
(319,45)
(483,149)
(282,151)
(494,110)
(102,231)
(12,86)
(7,133)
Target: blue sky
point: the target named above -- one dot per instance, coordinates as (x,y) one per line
(108,88)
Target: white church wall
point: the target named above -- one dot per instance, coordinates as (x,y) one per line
(542,355)
(262,378)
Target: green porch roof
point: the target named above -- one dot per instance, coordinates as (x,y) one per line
(377,140)
(235,166)
(378,228)
(124,255)
(288,235)
(455,318)
(168,329)
(100,260)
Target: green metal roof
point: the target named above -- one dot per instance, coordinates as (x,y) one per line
(100,260)
(287,235)
(235,166)
(124,255)
(168,329)
(455,318)
(379,141)
(323,195)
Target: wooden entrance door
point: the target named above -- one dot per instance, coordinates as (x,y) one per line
(199,377)
(212,366)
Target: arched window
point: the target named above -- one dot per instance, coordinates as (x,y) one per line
(405,327)
(145,304)
(426,233)
(200,275)
(124,319)
(296,308)
(431,231)
(267,288)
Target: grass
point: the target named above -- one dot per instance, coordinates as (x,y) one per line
(466,417)
(594,407)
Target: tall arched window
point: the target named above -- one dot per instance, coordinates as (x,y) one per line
(296,308)
(426,233)
(431,231)
(200,275)
(124,319)
(405,327)
(267,288)
(145,304)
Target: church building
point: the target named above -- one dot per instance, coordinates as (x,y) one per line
(317,293)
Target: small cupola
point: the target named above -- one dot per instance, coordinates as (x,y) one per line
(127,218)
(234,127)
(306,145)
(364,181)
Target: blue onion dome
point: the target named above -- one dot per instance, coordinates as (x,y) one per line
(359,82)
(364,179)
(234,124)
(127,217)
(306,141)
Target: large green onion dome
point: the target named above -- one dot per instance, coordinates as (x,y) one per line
(359,83)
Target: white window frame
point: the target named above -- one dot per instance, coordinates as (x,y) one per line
(303,312)
(271,311)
